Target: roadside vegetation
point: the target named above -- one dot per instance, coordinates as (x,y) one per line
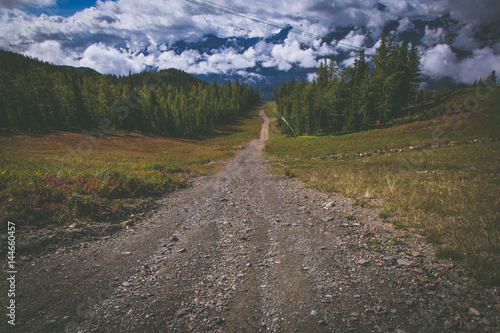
(80,147)
(36,95)
(381,91)
(57,179)
(439,176)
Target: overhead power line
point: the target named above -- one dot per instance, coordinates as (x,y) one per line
(232,11)
(237,12)
(258,19)
(433,71)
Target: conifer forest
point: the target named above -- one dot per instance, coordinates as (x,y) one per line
(354,98)
(37,95)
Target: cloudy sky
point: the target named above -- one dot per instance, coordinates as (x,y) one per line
(129,35)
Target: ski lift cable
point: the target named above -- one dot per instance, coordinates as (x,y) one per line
(228,10)
(248,15)
(434,71)
(258,19)
(254,17)
(237,12)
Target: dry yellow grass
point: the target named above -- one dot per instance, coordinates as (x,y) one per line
(440,176)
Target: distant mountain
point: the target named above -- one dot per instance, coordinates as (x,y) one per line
(82,70)
(278,58)
(12,61)
(260,43)
(266,78)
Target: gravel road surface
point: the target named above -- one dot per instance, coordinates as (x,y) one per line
(249,251)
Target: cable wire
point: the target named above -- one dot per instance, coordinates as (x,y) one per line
(237,12)
(258,19)
(434,71)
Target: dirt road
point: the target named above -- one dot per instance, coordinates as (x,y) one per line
(248,251)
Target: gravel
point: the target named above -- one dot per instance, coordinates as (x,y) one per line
(246,250)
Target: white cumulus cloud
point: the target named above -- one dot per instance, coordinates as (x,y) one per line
(441,61)
(122,35)
(23,3)
(105,59)
(433,37)
(285,56)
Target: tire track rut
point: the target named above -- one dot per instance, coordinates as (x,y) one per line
(244,251)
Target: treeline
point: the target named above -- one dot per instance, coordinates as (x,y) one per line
(354,98)
(35,95)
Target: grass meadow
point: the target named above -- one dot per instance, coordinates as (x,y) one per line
(58,179)
(440,176)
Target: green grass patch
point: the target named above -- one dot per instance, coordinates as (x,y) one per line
(270,110)
(441,175)
(61,178)
(446,252)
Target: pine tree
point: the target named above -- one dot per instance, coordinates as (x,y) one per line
(354,98)
(37,95)
(492,79)
(414,74)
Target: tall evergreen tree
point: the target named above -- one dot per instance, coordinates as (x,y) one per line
(356,97)
(492,79)
(38,95)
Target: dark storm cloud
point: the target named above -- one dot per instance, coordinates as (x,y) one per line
(122,35)
(8,4)
(476,12)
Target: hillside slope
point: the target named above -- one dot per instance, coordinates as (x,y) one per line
(440,176)
(36,95)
